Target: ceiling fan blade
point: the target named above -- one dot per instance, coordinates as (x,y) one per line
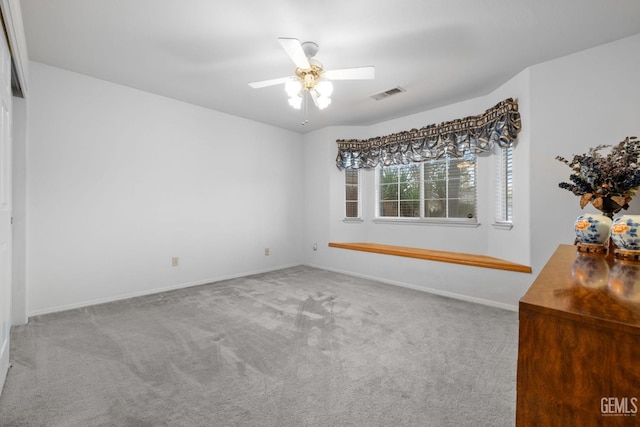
(272,82)
(293,47)
(359,73)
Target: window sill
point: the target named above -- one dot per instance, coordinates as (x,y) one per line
(353,220)
(433,255)
(502,225)
(440,223)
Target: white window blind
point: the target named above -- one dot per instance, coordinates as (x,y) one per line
(504,185)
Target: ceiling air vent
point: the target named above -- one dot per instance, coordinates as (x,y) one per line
(387,93)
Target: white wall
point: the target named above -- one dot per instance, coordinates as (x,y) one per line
(567,105)
(577,102)
(324,205)
(120,181)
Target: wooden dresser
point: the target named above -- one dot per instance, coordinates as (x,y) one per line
(579,344)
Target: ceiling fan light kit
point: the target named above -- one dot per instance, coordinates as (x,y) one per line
(310,76)
(309,80)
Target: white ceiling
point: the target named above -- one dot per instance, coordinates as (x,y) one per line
(206,51)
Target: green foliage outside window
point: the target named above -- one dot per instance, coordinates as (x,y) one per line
(441,188)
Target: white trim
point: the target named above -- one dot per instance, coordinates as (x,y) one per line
(250,273)
(416,221)
(423,289)
(155,291)
(502,225)
(356,220)
(4,370)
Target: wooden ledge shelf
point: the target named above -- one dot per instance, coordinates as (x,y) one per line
(433,255)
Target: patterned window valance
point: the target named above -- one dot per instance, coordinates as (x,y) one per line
(498,125)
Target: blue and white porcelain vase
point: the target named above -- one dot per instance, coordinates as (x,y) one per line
(592,229)
(624,232)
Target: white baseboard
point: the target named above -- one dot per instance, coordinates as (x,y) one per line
(154,291)
(250,273)
(422,288)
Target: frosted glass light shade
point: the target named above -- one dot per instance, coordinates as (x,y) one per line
(324,88)
(295,102)
(323,102)
(292,87)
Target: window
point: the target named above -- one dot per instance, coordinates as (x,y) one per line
(441,189)
(352,193)
(504,186)
(400,191)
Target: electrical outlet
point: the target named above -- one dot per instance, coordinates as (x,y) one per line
(175,261)
(266,251)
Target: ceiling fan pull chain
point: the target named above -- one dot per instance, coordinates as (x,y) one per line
(305,108)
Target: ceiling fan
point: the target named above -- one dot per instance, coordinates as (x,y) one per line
(310,76)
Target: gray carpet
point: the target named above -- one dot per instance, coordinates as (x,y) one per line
(295,347)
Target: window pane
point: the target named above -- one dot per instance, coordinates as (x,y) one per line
(388,175)
(450,188)
(504,185)
(461,189)
(409,173)
(435,170)
(389,192)
(352,193)
(435,208)
(509,183)
(461,208)
(351,176)
(435,189)
(389,209)
(410,208)
(352,209)
(410,190)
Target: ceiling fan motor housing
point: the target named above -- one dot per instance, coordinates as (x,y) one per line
(310,49)
(309,77)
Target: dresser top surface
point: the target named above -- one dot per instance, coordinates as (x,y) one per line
(589,288)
